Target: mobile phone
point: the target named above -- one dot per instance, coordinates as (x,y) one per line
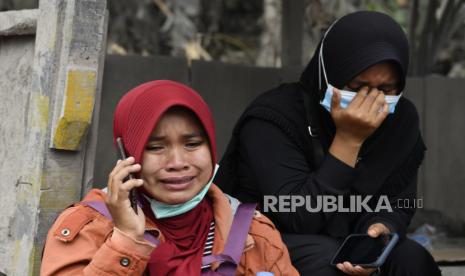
(365,251)
(132,192)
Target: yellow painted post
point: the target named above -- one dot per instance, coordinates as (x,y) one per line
(78,106)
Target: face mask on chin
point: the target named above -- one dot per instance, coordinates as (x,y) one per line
(162,210)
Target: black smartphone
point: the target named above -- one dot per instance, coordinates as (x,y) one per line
(365,251)
(132,192)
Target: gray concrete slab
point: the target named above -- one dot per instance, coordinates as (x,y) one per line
(22,22)
(444,173)
(18,200)
(453,270)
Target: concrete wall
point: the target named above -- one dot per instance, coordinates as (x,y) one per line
(17,204)
(444,131)
(49,86)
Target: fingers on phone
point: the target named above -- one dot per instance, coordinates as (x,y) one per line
(348,268)
(122,170)
(125,171)
(128,161)
(130,184)
(126,187)
(121,192)
(342,267)
(121,164)
(373,233)
(376,229)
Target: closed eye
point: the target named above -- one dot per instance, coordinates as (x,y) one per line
(154,148)
(388,89)
(354,89)
(194,144)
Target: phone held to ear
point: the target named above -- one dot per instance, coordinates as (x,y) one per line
(132,192)
(365,251)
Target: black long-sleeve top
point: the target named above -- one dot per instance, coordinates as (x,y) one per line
(269,154)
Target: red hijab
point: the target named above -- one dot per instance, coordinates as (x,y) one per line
(136,115)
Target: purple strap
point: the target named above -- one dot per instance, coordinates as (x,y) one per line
(234,247)
(101,207)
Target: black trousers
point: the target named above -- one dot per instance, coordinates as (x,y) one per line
(311,255)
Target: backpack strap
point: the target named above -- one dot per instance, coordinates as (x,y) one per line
(101,207)
(234,202)
(234,247)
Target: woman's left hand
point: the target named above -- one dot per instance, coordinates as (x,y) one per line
(349,269)
(374,231)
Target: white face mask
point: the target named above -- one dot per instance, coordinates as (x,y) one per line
(346,96)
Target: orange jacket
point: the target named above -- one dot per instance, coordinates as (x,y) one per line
(84,242)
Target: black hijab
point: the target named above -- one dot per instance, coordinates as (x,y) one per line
(354,43)
(394,152)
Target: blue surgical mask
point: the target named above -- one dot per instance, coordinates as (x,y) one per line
(162,210)
(346,96)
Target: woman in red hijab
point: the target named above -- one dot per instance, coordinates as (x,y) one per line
(184,224)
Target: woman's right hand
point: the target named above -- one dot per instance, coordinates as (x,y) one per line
(362,117)
(354,124)
(118,203)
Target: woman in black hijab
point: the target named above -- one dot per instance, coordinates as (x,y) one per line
(306,139)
